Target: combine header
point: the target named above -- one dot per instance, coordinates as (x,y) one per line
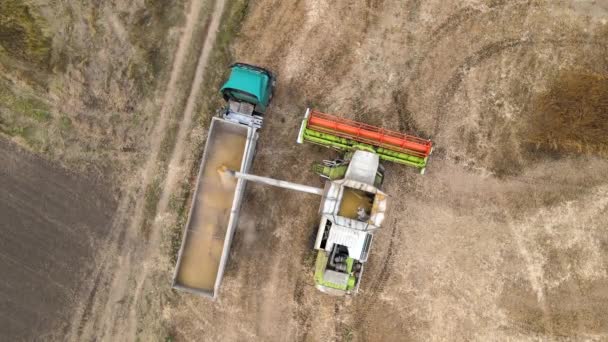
(347,135)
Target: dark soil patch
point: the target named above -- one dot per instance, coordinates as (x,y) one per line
(571,117)
(22,35)
(52,224)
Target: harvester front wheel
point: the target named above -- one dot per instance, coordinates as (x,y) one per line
(379,176)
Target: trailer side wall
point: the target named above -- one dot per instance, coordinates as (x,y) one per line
(214,212)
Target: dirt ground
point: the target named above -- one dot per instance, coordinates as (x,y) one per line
(51,227)
(499,240)
(503,238)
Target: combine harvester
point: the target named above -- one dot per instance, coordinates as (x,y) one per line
(352,206)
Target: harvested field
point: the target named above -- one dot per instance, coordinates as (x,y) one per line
(53,224)
(504,237)
(500,240)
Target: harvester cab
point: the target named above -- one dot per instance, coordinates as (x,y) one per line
(248,92)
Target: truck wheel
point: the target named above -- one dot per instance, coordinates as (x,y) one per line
(272,85)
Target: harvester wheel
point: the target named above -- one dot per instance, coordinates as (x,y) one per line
(380,172)
(381,168)
(312,238)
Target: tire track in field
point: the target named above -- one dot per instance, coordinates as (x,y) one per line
(377,287)
(302,314)
(384,275)
(452,23)
(443,31)
(486,53)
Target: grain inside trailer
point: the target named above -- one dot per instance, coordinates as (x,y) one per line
(214,211)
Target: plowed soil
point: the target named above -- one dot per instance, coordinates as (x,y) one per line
(52,225)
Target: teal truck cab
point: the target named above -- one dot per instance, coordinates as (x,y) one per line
(248,92)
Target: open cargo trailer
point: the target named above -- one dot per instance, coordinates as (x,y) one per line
(215,209)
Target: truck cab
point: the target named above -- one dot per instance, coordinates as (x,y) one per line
(248,92)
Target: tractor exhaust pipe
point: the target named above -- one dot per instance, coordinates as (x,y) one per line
(272,181)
